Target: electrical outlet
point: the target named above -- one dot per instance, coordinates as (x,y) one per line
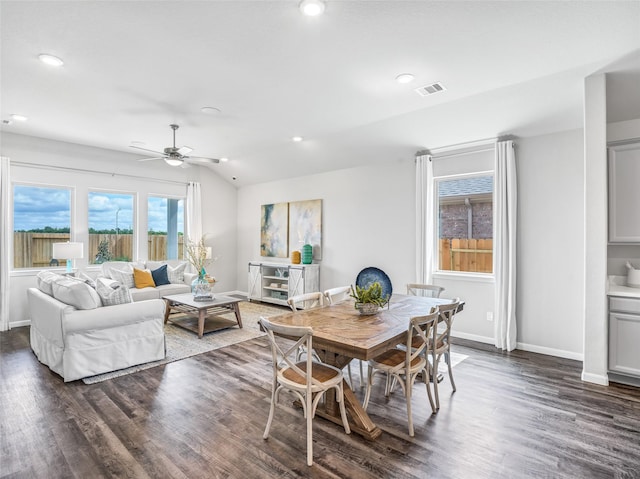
(489,315)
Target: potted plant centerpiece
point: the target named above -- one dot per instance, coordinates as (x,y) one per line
(199,255)
(370,299)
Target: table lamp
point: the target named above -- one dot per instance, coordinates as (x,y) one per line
(68,251)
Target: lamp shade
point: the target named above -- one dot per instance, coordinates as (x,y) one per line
(67,250)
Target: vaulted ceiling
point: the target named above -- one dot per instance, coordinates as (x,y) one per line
(133,67)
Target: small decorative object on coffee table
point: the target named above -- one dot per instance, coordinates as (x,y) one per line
(198,255)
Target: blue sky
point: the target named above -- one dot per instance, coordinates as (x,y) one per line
(36,207)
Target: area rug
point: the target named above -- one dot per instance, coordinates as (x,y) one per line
(182,344)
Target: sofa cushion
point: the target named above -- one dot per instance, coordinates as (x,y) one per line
(128,266)
(87,279)
(176,274)
(168,289)
(160,276)
(143,278)
(124,277)
(112,293)
(76,293)
(144,294)
(45,280)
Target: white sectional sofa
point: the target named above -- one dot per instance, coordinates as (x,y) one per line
(78,332)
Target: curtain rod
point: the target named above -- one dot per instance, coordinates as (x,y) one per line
(466,144)
(82,170)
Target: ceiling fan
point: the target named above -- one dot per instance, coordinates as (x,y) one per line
(177,156)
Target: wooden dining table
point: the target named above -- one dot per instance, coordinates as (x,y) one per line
(341,334)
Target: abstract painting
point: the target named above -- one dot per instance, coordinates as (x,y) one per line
(305,226)
(274,230)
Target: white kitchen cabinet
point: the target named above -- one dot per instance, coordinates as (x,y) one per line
(624,340)
(276,282)
(624,193)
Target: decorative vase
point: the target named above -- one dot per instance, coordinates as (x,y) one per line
(367,308)
(307,254)
(201,289)
(295,257)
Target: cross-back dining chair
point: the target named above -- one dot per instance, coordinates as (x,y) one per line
(335,296)
(440,344)
(425,290)
(308,380)
(308,301)
(404,365)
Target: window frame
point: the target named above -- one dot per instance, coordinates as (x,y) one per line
(134,213)
(72,229)
(184,213)
(467,275)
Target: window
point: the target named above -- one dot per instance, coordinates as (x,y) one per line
(166,228)
(41,217)
(465,223)
(111,227)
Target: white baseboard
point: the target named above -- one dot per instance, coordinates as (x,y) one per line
(522,346)
(595,378)
(472,337)
(560,353)
(18,324)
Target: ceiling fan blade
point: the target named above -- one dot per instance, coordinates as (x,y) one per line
(185,150)
(157,158)
(201,159)
(146,149)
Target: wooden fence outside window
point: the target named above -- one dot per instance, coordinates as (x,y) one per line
(469,255)
(33,250)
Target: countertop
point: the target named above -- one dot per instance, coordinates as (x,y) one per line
(617,286)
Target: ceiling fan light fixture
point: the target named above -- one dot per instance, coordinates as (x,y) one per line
(312,8)
(174,161)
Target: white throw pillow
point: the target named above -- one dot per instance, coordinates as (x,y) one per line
(76,293)
(112,293)
(124,277)
(87,279)
(176,275)
(45,280)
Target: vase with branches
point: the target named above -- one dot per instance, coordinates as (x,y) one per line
(199,256)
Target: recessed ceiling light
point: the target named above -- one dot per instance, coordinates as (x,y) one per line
(312,8)
(17,117)
(224,160)
(210,110)
(404,78)
(296,138)
(50,60)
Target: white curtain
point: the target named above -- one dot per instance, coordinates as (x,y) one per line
(424,219)
(506,200)
(194,212)
(4,244)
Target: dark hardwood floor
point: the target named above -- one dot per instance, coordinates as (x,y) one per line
(515,415)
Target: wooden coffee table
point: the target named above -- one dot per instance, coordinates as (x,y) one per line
(202,316)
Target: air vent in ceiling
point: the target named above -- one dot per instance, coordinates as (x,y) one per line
(427,90)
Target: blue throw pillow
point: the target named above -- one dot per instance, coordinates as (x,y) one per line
(160,275)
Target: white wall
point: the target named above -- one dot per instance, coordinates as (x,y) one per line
(367,220)
(550,243)
(369,216)
(219,198)
(594,367)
